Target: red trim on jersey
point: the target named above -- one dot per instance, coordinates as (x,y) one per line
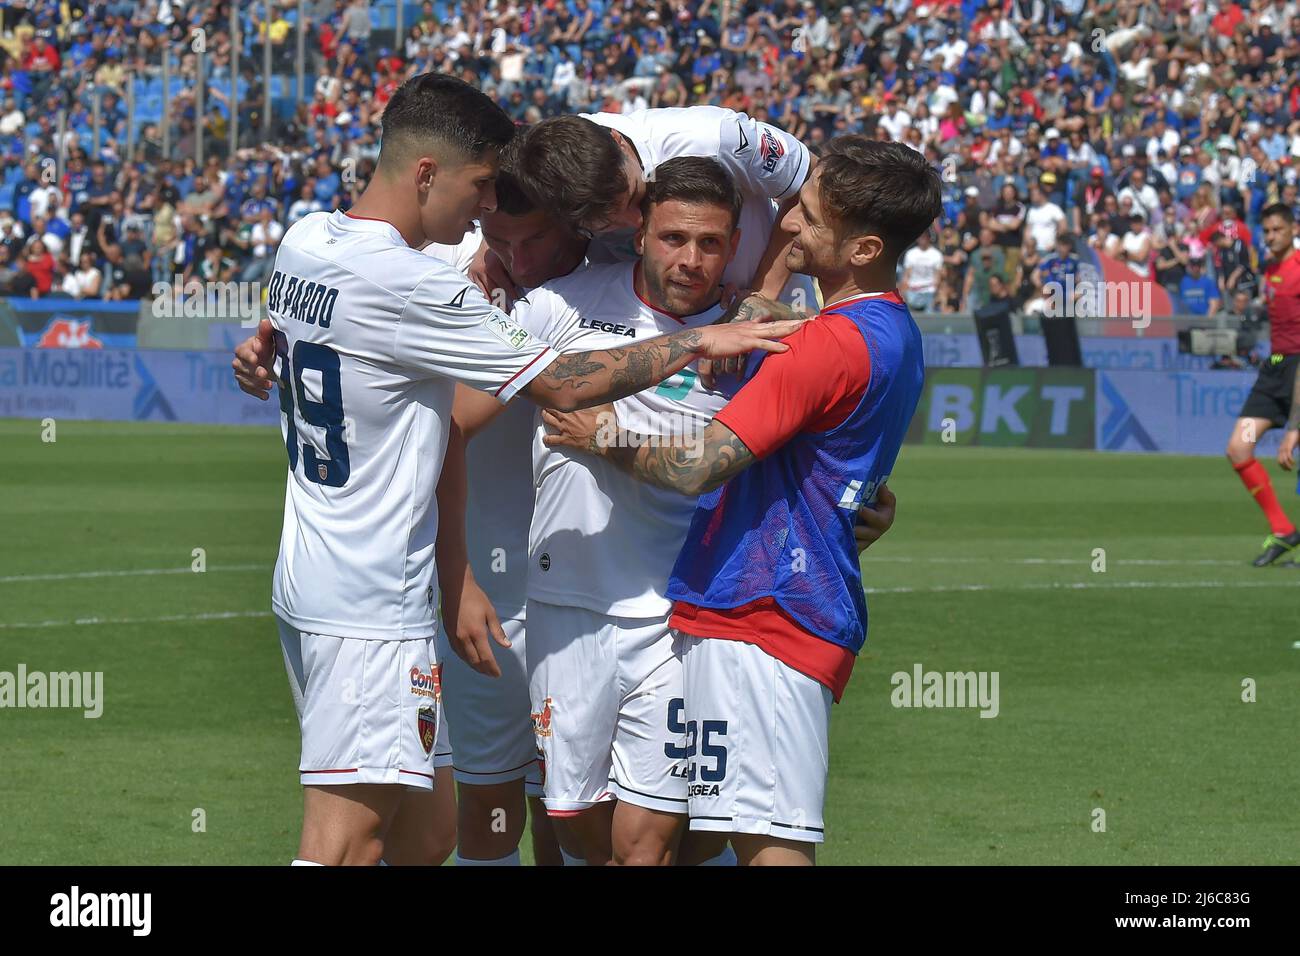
(676,318)
(370,219)
(766,625)
(498,392)
(347,770)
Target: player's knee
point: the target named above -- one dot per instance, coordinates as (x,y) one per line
(644,848)
(442,842)
(1238,451)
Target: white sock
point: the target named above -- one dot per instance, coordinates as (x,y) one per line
(305,863)
(726,858)
(572,860)
(511,860)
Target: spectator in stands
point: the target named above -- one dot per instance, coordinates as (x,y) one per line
(1197,293)
(85,281)
(922,265)
(986,261)
(7,271)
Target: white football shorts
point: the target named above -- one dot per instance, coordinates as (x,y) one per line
(607,709)
(757,735)
(369,711)
(488,718)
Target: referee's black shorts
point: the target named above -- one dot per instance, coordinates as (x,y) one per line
(1271,397)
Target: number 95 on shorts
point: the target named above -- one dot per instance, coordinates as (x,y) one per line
(756,742)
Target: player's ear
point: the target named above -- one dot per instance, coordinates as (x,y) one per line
(426,172)
(865,250)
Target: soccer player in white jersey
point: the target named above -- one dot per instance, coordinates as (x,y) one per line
(371,337)
(488,718)
(593,170)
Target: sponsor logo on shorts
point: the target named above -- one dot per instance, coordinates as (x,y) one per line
(427,685)
(426,722)
(703,790)
(542,721)
(544,562)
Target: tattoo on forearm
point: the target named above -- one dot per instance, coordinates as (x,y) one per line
(691,469)
(609,374)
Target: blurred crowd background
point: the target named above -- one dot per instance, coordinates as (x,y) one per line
(1151,132)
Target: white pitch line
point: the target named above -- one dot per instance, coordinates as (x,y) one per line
(170,618)
(140,572)
(1148,562)
(1084,586)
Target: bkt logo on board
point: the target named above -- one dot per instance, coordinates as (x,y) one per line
(1040,408)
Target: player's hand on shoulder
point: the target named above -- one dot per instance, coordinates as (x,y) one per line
(874,520)
(581,430)
(742,337)
(488,272)
(254,362)
(747,307)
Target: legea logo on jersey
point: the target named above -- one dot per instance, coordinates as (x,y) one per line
(611,327)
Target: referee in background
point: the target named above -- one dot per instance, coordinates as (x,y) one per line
(1270,402)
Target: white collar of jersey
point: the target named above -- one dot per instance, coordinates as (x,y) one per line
(350,223)
(853,298)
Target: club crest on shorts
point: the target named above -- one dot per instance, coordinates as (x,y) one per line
(542,721)
(427,724)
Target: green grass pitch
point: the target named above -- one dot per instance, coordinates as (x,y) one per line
(1119,690)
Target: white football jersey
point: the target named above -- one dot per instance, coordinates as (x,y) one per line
(600,538)
(499,504)
(768,166)
(371,338)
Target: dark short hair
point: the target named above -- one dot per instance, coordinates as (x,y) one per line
(576,167)
(513,198)
(1278,209)
(435,107)
(886,189)
(693,179)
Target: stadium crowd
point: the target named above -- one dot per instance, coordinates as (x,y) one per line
(1149,131)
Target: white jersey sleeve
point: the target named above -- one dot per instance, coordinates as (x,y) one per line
(449,329)
(764,160)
